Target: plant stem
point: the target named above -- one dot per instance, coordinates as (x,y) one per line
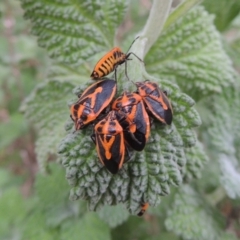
(180,11)
(157,17)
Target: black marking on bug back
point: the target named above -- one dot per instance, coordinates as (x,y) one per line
(168,116)
(157,108)
(132,100)
(106,62)
(108,86)
(76,106)
(135,140)
(99,130)
(115,54)
(104,66)
(89,91)
(147,90)
(157,91)
(84,115)
(108,137)
(102,71)
(139,120)
(112,164)
(116,149)
(112,128)
(111,59)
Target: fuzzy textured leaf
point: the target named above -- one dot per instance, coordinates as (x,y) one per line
(35,227)
(13,210)
(88,227)
(224,10)
(230,178)
(190,53)
(196,159)
(148,175)
(74,31)
(113,215)
(228,236)
(188,219)
(225,138)
(45,109)
(48,187)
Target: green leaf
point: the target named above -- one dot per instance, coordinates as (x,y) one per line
(74,31)
(52,185)
(34,227)
(190,53)
(188,219)
(88,227)
(13,210)
(66,74)
(230,178)
(196,159)
(47,188)
(224,133)
(182,8)
(113,215)
(12,129)
(224,10)
(228,236)
(148,175)
(56,215)
(4,178)
(47,109)
(234,51)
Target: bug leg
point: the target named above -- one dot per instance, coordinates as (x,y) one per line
(128,154)
(72,118)
(93,137)
(127,57)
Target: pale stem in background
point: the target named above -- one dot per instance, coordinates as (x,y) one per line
(154,25)
(180,11)
(159,19)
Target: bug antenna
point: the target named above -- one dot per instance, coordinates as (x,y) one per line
(132,43)
(127,74)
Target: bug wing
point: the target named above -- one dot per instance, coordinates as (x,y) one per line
(135,140)
(117,151)
(156,108)
(142,120)
(104,98)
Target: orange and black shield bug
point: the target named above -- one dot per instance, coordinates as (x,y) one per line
(92,102)
(156,101)
(133,118)
(109,62)
(144,207)
(109,140)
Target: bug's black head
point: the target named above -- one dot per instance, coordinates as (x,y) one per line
(94,75)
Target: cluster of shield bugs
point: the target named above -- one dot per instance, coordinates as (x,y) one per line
(125,125)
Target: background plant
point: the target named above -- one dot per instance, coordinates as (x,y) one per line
(191,59)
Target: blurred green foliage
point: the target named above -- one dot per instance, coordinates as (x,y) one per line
(36,206)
